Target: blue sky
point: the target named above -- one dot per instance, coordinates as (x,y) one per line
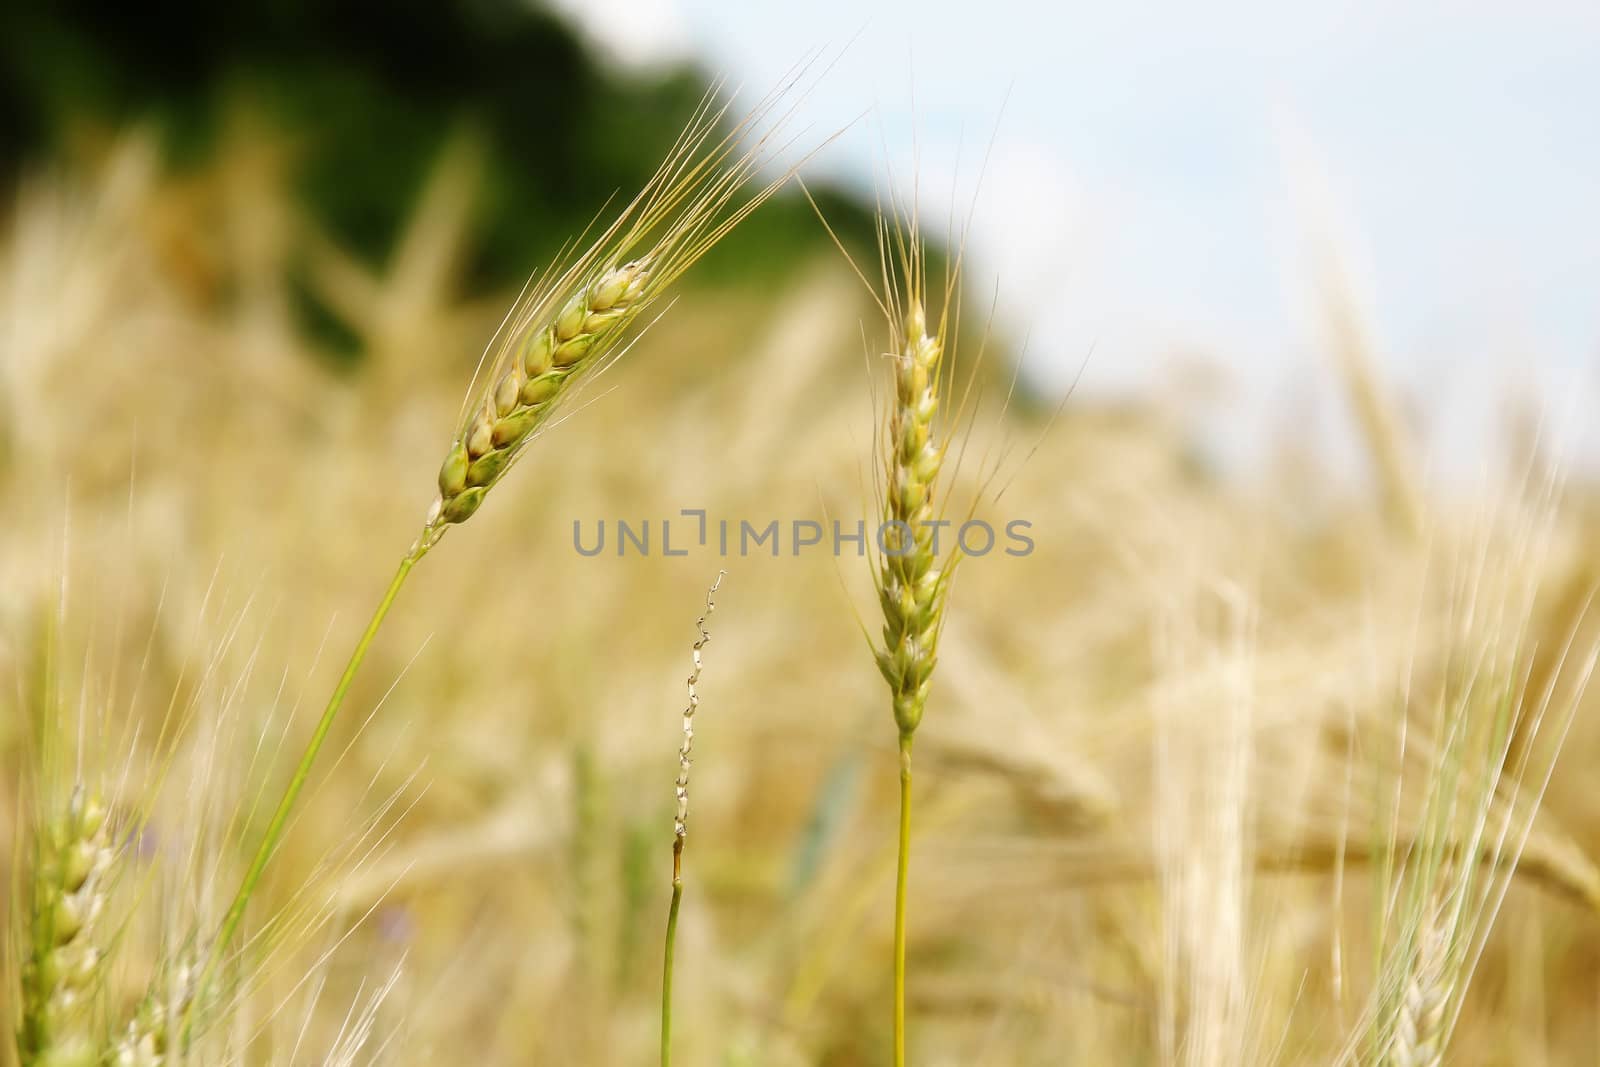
(1170,182)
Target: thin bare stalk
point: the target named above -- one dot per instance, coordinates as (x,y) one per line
(666,963)
(680,818)
(902,870)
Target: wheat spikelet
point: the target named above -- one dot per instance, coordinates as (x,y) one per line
(568,323)
(73,862)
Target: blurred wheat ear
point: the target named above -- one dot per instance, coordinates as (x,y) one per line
(1419,1033)
(145,1041)
(67,889)
(1490,742)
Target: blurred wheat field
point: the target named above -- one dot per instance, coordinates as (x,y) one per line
(1173,764)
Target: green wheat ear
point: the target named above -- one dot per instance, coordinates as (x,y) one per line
(72,865)
(911,583)
(568,324)
(146,1039)
(529,389)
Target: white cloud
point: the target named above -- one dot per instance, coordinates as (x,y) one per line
(636,33)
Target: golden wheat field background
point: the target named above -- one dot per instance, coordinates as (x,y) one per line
(1234,767)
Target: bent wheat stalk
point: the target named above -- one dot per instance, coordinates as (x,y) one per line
(564,326)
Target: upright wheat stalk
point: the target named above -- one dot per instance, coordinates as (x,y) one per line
(911,577)
(563,325)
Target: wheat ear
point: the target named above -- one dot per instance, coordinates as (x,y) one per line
(146,1040)
(911,583)
(1419,1033)
(72,865)
(565,326)
(527,391)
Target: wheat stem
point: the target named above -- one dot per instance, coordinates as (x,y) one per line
(280,817)
(902,871)
(666,962)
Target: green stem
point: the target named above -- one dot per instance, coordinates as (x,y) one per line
(280,817)
(901,872)
(666,964)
